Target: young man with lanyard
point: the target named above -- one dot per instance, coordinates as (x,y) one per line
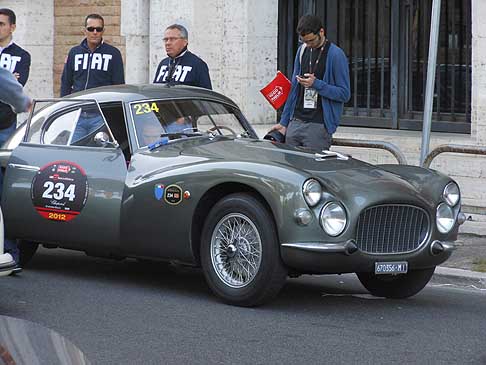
(181,66)
(16,60)
(320,87)
(91,64)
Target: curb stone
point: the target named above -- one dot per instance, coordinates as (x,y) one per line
(459,277)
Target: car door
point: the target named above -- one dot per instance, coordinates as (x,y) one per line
(64,190)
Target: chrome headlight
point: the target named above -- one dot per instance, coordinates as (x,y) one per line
(312,191)
(445,218)
(451,194)
(333,219)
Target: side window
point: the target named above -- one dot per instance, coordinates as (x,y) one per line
(71,123)
(88,124)
(59,132)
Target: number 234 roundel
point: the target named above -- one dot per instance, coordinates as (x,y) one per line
(59,190)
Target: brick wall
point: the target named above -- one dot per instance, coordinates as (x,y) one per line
(69,24)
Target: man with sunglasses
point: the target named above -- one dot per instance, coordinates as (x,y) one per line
(320,87)
(181,66)
(92,63)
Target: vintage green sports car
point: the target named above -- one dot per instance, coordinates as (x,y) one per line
(177,174)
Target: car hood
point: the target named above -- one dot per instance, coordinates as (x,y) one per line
(267,153)
(344,178)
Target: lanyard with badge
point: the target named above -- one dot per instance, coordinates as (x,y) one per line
(310,94)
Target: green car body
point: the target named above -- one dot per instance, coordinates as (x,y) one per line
(169,199)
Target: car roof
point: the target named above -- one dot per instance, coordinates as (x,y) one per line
(129,93)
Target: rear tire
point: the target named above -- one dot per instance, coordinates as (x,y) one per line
(240,253)
(27,250)
(396,286)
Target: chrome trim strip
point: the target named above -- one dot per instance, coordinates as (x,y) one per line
(326,153)
(448,246)
(24,167)
(318,247)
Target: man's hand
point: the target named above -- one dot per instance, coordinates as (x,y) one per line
(307,80)
(278,127)
(17,75)
(30,105)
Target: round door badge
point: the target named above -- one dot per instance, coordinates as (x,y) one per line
(59,190)
(173,194)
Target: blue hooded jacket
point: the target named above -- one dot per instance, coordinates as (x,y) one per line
(85,69)
(188,69)
(334,88)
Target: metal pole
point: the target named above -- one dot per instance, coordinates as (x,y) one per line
(429,89)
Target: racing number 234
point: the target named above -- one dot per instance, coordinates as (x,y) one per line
(145,108)
(58,191)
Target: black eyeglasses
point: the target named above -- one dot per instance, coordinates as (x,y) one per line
(92,29)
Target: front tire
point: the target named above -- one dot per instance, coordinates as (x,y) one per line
(240,254)
(396,286)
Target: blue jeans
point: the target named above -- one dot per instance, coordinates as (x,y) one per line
(10,245)
(88,122)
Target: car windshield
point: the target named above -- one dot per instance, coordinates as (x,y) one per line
(184,118)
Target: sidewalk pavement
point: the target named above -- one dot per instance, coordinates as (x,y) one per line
(460,269)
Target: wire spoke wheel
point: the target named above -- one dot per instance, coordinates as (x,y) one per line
(240,253)
(236,250)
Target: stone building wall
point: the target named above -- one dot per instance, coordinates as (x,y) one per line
(237,39)
(479,71)
(35,33)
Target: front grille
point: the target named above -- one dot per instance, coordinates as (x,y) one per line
(391,229)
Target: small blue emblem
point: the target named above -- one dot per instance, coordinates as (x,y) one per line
(157,144)
(159,191)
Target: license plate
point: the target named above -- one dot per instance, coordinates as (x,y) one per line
(391,267)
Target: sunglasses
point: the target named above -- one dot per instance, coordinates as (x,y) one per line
(92,29)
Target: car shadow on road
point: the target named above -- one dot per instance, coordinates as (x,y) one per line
(299,294)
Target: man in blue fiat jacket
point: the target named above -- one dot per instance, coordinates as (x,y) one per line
(320,87)
(94,62)
(182,66)
(91,64)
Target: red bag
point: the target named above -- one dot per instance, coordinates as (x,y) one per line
(277,91)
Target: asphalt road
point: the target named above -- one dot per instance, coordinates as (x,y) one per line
(128,313)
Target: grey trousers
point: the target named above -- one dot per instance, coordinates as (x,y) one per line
(312,136)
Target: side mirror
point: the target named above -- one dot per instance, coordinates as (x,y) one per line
(103,140)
